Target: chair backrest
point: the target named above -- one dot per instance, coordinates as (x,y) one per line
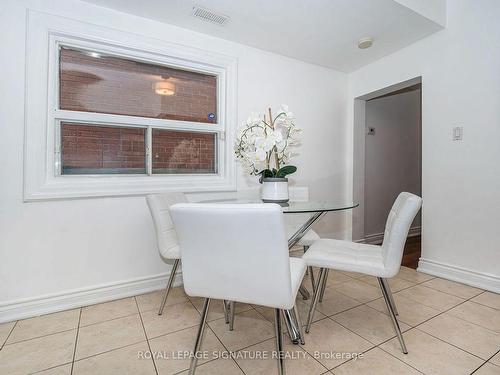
(236,252)
(402,213)
(159,206)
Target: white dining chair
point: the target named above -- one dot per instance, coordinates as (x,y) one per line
(306,242)
(382,261)
(166,238)
(238,252)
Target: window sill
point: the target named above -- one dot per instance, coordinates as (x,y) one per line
(70,187)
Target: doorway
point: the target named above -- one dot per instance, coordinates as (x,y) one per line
(387,146)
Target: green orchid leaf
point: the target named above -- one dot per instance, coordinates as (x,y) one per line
(286,170)
(265,173)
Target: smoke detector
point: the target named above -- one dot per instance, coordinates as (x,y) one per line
(365,43)
(209,16)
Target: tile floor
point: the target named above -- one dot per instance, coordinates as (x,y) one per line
(449,329)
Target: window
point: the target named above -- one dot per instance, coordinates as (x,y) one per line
(88,149)
(111,113)
(91,82)
(183,152)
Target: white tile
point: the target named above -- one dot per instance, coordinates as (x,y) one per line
(112,334)
(168,362)
(297,361)
(38,354)
(431,355)
(358,290)
(107,311)
(488,299)
(331,344)
(175,318)
(250,328)
(369,323)
(482,315)
(375,362)
(5,330)
(152,301)
(488,369)
(44,325)
(451,287)
(121,361)
(467,336)
(410,312)
(431,297)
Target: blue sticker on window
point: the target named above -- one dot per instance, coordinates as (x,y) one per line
(211,116)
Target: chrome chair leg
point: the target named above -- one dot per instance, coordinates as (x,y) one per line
(314,302)
(304,249)
(231,315)
(391,298)
(293,333)
(311,275)
(279,341)
(299,324)
(199,336)
(169,285)
(323,286)
(310,272)
(226,310)
(392,315)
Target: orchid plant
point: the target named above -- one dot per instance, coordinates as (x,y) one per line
(263,143)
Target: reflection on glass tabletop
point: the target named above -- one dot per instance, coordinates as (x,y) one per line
(295,207)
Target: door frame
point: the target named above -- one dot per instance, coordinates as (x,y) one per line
(358,158)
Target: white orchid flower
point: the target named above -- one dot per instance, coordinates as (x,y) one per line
(269,142)
(260,155)
(278,136)
(260,142)
(284,109)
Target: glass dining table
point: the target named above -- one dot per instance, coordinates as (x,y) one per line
(306,214)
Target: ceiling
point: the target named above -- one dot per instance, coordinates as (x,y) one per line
(323,32)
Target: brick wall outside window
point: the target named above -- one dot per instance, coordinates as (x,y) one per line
(183,152)
(126,87)
(88,149)
(112,85)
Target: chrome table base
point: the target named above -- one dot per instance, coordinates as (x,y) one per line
(291,316)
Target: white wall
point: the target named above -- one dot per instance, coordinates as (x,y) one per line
(56,248)
(392,156)
(460,180)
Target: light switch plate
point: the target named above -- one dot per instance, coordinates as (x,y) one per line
(458,133)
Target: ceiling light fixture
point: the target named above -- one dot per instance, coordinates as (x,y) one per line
(365,43)
(164,88)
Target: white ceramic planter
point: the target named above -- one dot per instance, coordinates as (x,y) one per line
(274,190)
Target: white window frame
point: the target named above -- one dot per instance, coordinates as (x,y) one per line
(43,180)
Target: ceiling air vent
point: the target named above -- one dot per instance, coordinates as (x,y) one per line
(209,16)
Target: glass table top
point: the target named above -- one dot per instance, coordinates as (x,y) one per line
(295,207)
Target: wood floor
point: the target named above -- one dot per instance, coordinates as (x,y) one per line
(412,252)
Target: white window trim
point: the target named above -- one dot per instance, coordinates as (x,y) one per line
(41,178)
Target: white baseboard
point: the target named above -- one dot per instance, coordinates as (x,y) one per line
(29,307)
(377,238)
(459,274)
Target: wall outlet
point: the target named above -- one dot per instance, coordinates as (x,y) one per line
(458,133)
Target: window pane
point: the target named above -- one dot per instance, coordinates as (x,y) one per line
(183,152)
(91,82)
(88,149)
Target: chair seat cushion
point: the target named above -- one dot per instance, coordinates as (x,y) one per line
(309,238)
(346,256)
(297,272)
(173,252)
